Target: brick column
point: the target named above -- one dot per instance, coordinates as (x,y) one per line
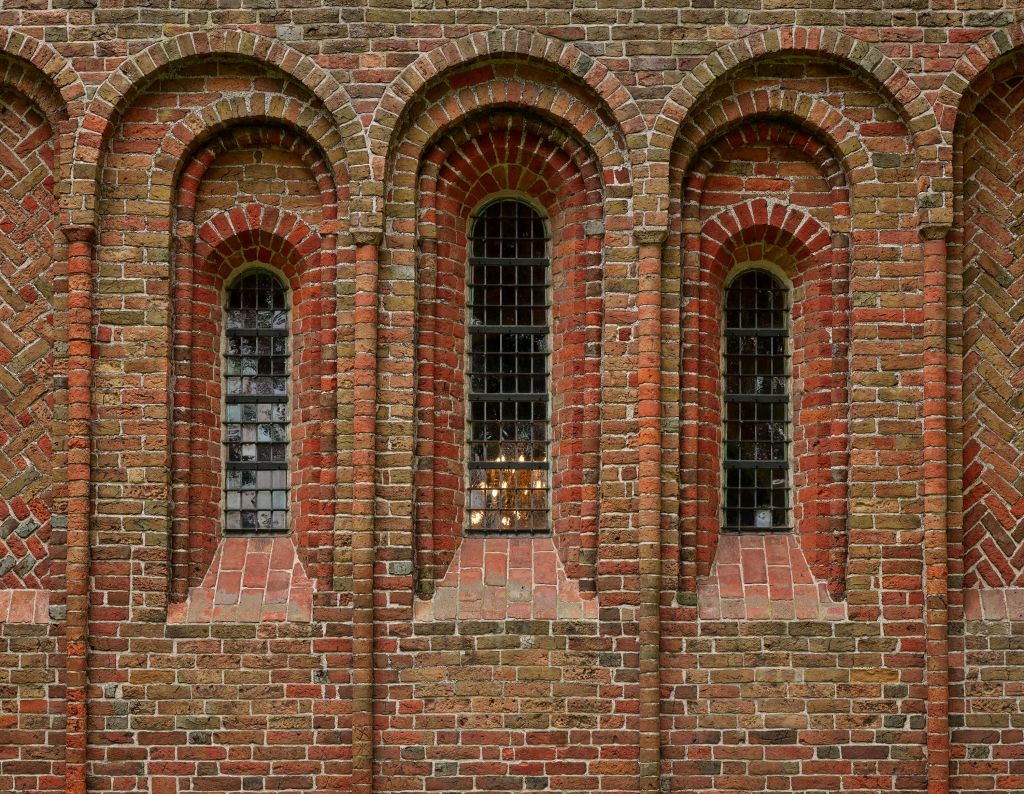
(649,421)
(936,478)
(364,497)
(78,463)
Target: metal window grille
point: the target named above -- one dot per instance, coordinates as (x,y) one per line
(757,425)
(508,371)
(256,405)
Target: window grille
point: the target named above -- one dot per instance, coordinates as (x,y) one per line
(256,405)
(757,424)
(508,371)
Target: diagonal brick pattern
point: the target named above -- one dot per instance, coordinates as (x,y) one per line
(994,339)
(27,215)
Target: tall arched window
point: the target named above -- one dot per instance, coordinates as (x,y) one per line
(256,405)
(508,333)
(756,415)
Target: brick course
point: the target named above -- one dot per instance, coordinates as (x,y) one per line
(869,154)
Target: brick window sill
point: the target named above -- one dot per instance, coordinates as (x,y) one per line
(24,606)
(763,577)
(250,580)
(499,578)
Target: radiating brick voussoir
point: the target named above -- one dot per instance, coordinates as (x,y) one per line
(493,45)
(969,67)
(813,42)
(56,69)
(112,96)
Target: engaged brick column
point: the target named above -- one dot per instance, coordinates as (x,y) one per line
(364,497)
(79,443)
(936,478)
(650,482)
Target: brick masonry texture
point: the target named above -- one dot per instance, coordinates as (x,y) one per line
(869,153)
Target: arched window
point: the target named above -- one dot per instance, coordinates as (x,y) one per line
(509,334)
(256,405)
(756,415)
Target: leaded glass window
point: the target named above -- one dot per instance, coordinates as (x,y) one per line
(508,370)
(757,425)
(256,405)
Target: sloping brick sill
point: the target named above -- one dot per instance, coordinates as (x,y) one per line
(507,579)
(24,606)
(763,577)
(250,580)
(1004,603)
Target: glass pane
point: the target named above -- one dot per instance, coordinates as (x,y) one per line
(756,416)
(256,413)
(508,346)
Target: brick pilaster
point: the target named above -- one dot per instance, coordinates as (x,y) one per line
(649,426)
(364,496)
(79,475)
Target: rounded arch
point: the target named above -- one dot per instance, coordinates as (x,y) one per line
(266,230)
(566,114)
(113,94)
(814,42)
(816,119)
(187,161)
(490,45)
(797,233)
(57,71)
(827,43)
(61,100)
(974,63)
(185,152)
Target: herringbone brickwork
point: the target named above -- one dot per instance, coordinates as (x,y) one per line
(27,225)
(994,336)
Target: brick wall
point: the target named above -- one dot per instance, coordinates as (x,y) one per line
(147,155)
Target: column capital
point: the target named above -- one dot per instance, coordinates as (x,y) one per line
(364,236)
(79,233)
(650,236)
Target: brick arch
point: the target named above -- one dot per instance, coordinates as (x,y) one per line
(827,136)
(509,154)
(57,74)
(493,94)
(859,56)
(270,236)
(112,96)
(962,80)
(186,169)
(188,148)
(767,230)
(480,48)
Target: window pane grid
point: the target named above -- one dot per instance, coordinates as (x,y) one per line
(756,405)
(508,372)
(256,371)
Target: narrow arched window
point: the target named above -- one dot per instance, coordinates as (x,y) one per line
(756,410)
(256,405)
(509,334)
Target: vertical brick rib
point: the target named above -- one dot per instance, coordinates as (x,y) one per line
(935,503)
(182,452)
(649,426)
(79,444)
(364,496)
(424,482)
